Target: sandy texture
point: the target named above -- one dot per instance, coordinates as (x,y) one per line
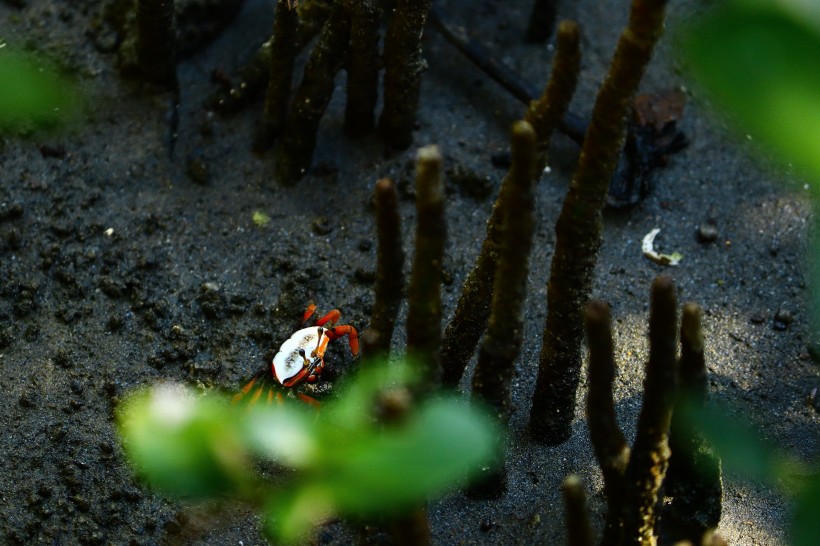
(117,270)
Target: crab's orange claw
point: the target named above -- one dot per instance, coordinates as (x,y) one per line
(352,336)
(332,317)
(308,312)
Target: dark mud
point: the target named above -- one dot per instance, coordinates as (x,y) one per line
(120,267)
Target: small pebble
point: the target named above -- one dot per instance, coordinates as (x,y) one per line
(784,315)
(28,400)
(707,232)
(782,319)
(10,211)
(322,226)
(757,318)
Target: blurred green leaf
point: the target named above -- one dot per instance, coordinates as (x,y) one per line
(347,459)
(183,444)
(290,515)
(32,94)
(806,519)
(738,445)
(283,434)
(353,411)
(759,60)
(439,446)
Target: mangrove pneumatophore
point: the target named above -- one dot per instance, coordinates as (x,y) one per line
(580,225)
(495,369)
(470,319)
(635,479)
(389,272)
(424,291)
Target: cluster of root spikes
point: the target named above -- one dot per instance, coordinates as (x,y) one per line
(345,35)
(494,294)
(668,457)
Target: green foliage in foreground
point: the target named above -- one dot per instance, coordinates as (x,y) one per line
(32,94)
(759,60)
(741,450)
(341,460)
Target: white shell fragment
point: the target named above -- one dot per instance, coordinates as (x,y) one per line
(649,251)
(288,362)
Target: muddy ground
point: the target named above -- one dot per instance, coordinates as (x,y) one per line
(119,269)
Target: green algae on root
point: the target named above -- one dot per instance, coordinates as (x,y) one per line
(693,478)
(546,112)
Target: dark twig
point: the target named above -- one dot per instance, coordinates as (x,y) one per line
(580,226)
(570,124)
(424,293)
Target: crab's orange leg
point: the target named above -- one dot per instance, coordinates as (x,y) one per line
(350,332)
(308,400)
(248,386)
(256,396)
(308,312)
(331,317)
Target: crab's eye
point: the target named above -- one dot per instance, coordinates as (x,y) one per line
(302,353)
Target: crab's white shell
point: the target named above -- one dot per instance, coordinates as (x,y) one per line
(288,362)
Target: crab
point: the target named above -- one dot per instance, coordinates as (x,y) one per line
(300,359)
